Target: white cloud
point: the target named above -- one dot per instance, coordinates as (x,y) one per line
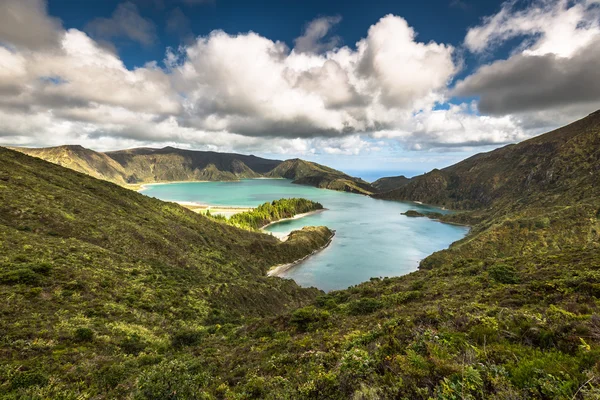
(554,71)
(555,27)
(242,93)
(251,85)
(25,23)
(457,127)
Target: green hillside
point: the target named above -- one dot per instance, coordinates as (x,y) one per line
(317,175)
(97,272)
(113,295)
(547,169)
(390,183)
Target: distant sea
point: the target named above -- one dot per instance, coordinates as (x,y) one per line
(373,175)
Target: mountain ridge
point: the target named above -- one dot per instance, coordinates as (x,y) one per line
(137,166)
(517,172)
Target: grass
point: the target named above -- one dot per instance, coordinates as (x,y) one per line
(110,294)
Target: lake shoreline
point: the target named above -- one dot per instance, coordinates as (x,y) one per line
(144,186)
(297,216)
(277,270)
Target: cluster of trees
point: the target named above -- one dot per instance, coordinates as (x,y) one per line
(272,212)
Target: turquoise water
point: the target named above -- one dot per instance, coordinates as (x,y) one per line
(372,238)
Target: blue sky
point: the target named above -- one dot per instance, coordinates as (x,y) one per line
(358,85)
(279,20)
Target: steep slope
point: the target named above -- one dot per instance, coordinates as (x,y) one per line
(313,174)
(512,311)
(146,165)
(542,169)
(80,159)
(390,183)
(96,270)
(171,164)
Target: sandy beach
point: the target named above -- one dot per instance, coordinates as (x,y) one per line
(144,186)
(203,208)
(279,269)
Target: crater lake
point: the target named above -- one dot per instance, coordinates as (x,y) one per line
(373,238)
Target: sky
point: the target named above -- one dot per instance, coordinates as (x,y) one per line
(376,87)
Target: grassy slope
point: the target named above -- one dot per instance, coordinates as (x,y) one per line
(94,274)
(313,174)
(390,183)
(510,312)
(80,159)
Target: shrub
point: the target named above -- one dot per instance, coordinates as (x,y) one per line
(171,380)
(24,273)
(28,379)
(133,344)
(308,318)
(111,375)
(187,337)
(83,335)
(503,273)
(364,306)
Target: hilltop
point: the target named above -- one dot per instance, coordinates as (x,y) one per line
(390,183)
(313,174)
(169,164)
(546,169)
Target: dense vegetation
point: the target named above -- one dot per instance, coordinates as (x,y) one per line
(390,183)
(144,165)
(512,311)
(313,174)
(99,282)
(273,211)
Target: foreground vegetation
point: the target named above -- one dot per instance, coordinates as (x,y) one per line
(512,311)
(100,282)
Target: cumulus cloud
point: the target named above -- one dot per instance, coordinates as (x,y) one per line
(243,92)
(558,27)
(126,22)
(552,76)
(457,127)
(257,87)
(316,31)
(530,83)
(25,23)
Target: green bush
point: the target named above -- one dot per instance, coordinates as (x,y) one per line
(364,306)
(274,211)
(133,344)
(23,273)
(173,380)
(187,337)
(503,273)
(308,318)
(83,335)
(28,379)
